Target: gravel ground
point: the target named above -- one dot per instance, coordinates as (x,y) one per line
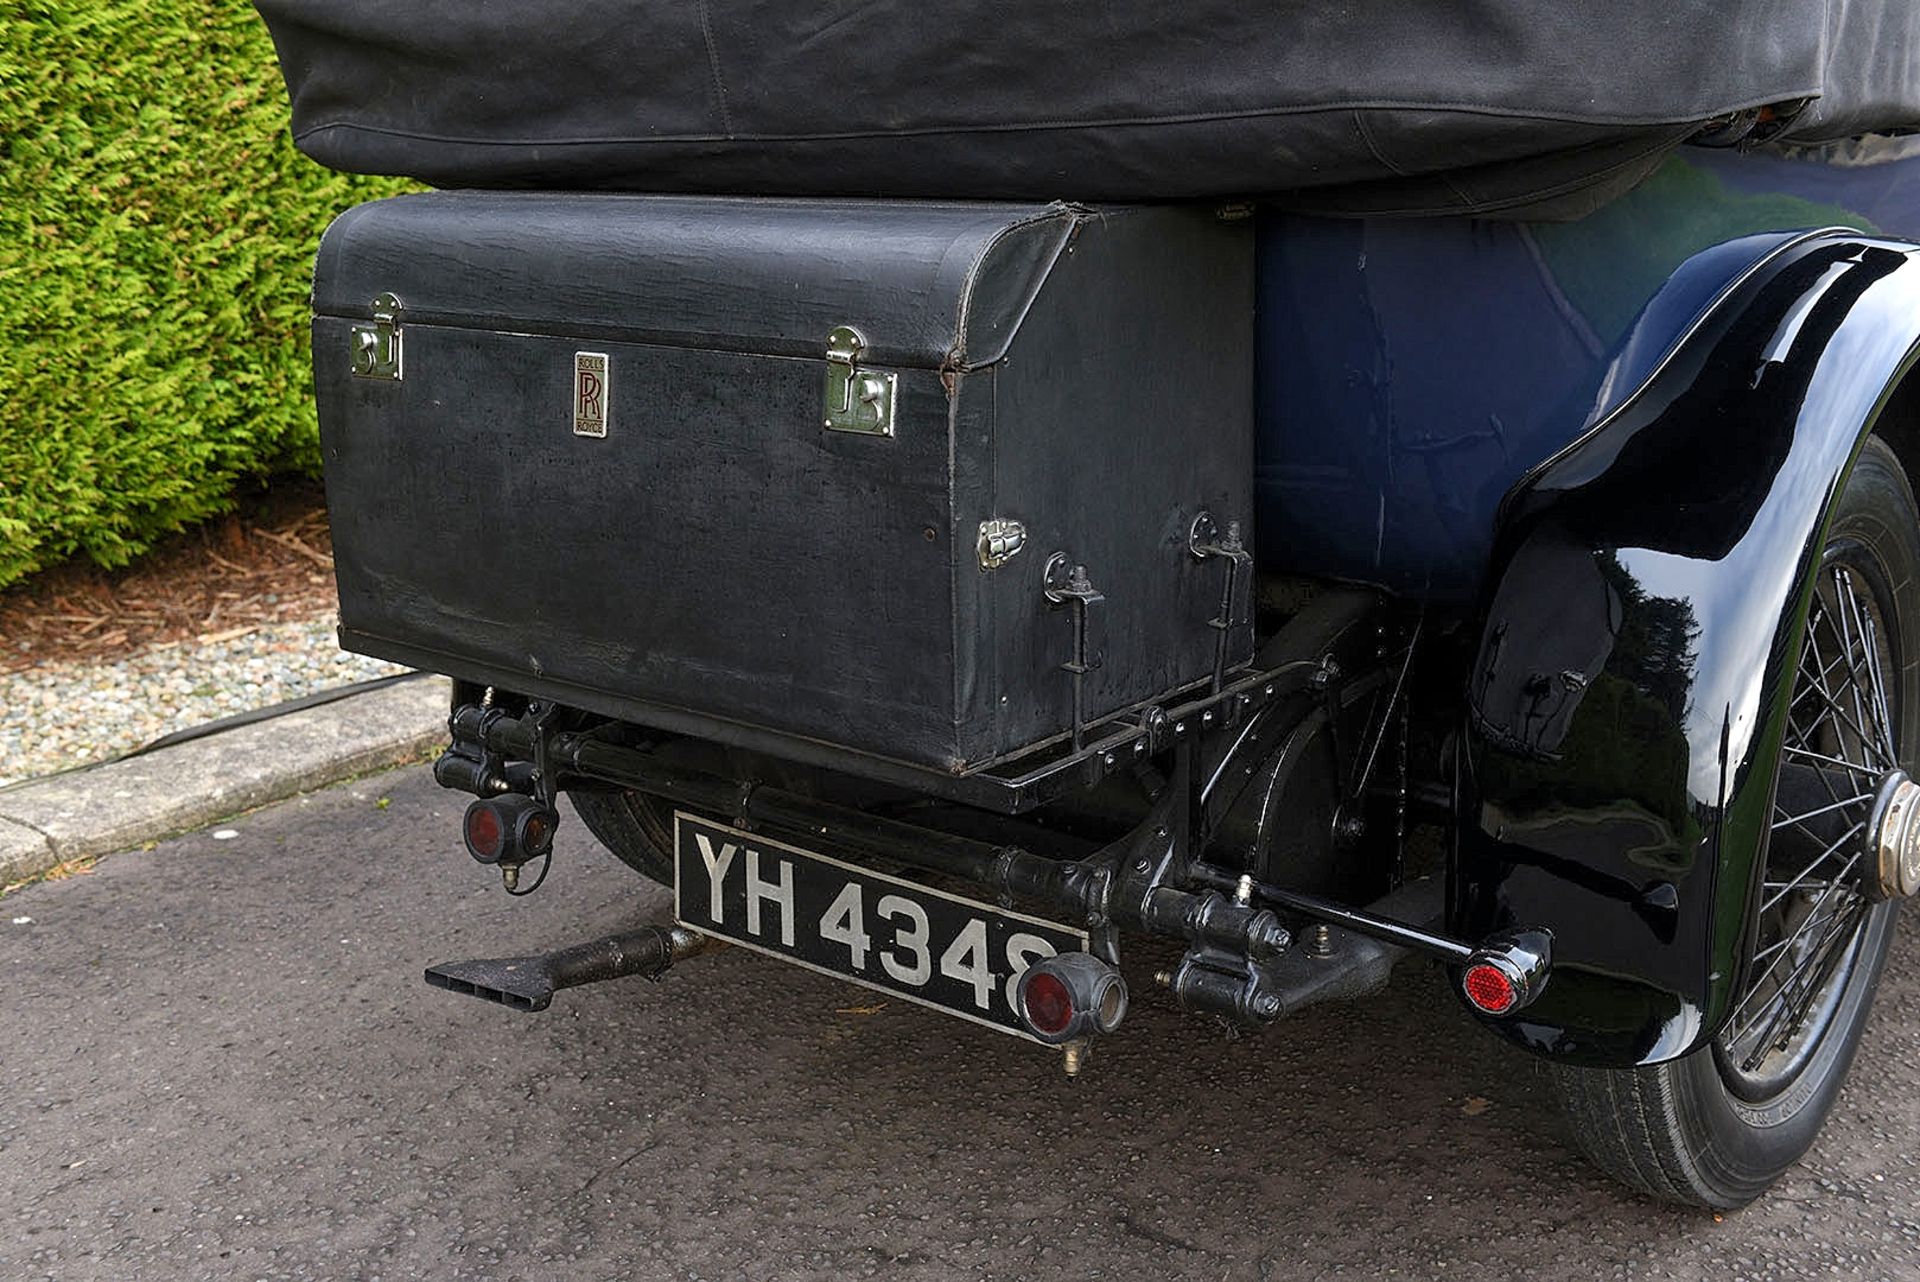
(58,714)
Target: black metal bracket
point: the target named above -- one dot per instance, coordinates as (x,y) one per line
(469,765)
(1390,721)
(1206,541)
(1065,582)
(543,719)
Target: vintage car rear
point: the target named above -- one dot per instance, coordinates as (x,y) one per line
(951,498)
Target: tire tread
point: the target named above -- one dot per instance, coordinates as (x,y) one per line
(629,825)
(1626,1124)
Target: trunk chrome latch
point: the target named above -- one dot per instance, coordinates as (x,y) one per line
(858,400)
(376,347)
(1000,541)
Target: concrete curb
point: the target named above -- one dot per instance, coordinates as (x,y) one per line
(113,807)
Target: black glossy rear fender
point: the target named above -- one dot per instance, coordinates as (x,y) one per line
(1637,650)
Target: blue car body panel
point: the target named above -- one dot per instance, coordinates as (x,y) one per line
(1413,371)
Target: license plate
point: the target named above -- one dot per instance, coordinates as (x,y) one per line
(915,942)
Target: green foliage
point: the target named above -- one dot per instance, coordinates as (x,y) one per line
(156,233)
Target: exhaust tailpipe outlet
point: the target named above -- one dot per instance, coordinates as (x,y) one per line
(529,983)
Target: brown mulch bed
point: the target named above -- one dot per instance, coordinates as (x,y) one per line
(269,561)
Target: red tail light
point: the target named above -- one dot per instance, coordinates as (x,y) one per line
(1488,988)
(1507,971)
(1047,1005)
(508,829)
(486,834)
(1070,997)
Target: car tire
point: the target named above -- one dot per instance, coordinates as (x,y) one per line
(638,829)
(1716,1127)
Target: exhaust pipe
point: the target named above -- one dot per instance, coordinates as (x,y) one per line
(529,983)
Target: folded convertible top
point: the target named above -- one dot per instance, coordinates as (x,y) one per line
(1390,106)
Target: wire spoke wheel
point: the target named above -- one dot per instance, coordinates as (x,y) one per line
(1840,749)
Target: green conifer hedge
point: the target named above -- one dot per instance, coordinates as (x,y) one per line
(156,232)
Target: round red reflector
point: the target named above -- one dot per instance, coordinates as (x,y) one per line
(1049,1006)
(1488,988)
(485,832)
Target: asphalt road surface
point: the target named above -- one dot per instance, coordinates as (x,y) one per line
(217,1060)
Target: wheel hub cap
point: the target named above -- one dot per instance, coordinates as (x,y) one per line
(1896,839)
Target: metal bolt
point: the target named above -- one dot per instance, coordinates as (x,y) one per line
(1109,759)
(1320,940)
(1243,892)
(1143,865)
(1072,1056)
(1266,1006)
(1163,978)
(510,876)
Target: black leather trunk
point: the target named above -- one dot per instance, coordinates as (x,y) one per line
(718,559)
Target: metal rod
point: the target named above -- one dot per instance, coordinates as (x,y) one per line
(1079,671)
(1357,920)
(1225,625)
(1358,790)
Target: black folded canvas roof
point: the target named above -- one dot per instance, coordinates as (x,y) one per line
(1401,106)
